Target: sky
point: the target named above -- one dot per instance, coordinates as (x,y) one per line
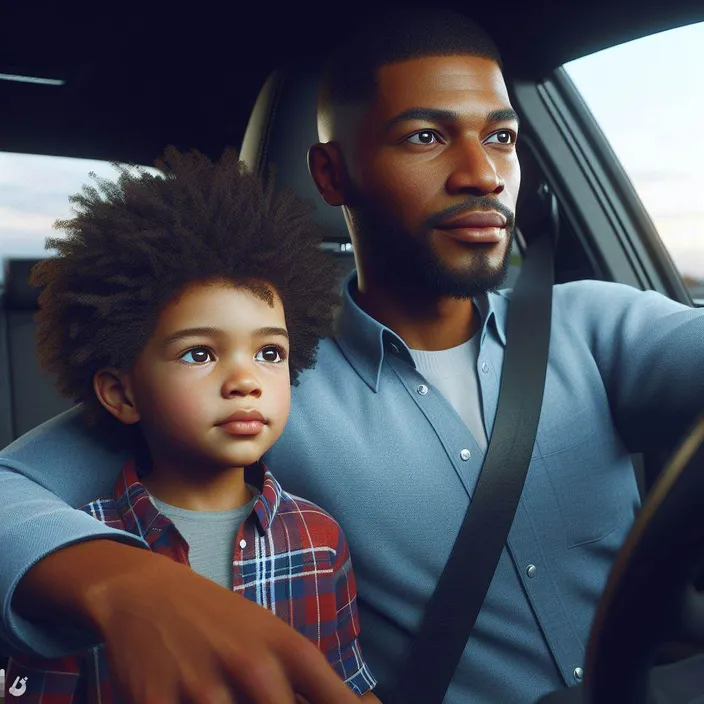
(646,95)
(34,192)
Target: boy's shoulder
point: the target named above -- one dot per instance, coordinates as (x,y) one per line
(281,503)
(297,505)
(311,522)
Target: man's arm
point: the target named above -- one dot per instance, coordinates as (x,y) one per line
(170,635)
(650,354)
(44,475)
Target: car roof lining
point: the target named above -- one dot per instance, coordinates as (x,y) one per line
(137,81)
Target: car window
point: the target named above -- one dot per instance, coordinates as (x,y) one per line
(34,192)
(646,97)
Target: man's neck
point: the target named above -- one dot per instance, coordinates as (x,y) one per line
(422,322)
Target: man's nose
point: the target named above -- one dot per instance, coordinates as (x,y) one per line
(241,380)
(473,170)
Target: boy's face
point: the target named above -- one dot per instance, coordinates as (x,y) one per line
(212,385)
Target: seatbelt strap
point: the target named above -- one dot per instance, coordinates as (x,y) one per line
(459,595)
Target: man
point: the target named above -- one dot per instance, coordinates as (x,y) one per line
(389,431)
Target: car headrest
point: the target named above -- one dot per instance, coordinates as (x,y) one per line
(18,293)
(281,129)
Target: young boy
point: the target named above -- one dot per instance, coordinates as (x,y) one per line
(179,311)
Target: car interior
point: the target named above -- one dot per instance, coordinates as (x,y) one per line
(205,78)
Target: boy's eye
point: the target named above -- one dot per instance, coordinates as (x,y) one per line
(271,353)
(197,355)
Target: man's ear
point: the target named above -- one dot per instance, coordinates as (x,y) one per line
(327,168)
(114,391)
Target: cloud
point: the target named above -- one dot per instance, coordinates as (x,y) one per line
(34,193)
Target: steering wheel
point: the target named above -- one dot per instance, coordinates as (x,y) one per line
(648,598)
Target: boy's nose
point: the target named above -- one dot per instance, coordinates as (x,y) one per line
(241,382)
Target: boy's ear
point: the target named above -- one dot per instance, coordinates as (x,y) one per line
(114,391)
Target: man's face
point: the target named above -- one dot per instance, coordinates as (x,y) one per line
(217,350)
(434,177)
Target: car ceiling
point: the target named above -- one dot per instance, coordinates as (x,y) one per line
(141,77)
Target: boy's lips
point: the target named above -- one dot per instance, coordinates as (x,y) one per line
(242,414)
(243,422)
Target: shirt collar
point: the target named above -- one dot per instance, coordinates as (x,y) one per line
(141,517)
(364,341)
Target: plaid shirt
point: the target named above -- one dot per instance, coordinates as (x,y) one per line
(290,557)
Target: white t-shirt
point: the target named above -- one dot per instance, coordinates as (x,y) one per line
(454,373)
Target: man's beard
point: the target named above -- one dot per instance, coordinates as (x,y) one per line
(408,263)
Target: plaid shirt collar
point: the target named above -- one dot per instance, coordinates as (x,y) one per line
(141,516)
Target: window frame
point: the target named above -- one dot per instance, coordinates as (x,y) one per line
(594,191)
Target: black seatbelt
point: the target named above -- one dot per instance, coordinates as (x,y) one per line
(459,595)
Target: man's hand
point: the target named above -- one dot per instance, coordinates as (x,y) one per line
(174,637)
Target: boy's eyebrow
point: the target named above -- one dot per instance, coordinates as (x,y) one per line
(191,332)
(437,115)
(265,332)
(214,332)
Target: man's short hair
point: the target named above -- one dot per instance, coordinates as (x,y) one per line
(393,35)
(137,242)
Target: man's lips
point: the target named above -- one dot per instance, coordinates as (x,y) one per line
(243,422)
(475,220)
(479,226)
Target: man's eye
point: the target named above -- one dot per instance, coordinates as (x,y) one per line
(502,137)
(424,137)
(271,353)
(197,355)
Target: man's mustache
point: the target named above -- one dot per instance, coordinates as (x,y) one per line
(471,204)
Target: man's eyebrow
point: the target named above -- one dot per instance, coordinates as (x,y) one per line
(429,114)
(438,115)
(503,115)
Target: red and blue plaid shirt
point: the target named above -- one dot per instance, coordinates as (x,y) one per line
(290,557)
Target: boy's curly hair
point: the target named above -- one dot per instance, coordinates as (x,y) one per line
(138,241)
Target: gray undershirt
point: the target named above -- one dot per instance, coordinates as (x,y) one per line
(454,373)
(210,536)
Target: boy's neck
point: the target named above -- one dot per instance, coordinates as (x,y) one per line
(207,491)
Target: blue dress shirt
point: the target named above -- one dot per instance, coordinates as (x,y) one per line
(372,442)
